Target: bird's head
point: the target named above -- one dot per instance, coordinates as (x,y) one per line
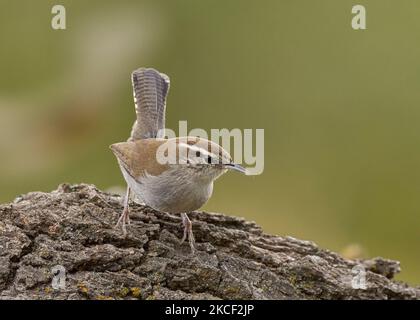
(206,158)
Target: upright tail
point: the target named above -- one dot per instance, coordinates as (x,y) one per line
(150,89)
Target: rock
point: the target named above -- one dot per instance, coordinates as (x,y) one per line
(63,245)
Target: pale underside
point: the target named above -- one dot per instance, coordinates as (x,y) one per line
(173,191)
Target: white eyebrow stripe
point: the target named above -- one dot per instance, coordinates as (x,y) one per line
(202,150)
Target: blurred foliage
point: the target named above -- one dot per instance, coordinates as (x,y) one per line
(340,108)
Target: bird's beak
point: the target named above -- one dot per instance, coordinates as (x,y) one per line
(237,167)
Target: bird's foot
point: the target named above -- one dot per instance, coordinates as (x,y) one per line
(123,220)
(188,233)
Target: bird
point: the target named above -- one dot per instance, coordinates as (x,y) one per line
(174,187)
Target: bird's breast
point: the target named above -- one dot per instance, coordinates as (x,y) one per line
(172,191)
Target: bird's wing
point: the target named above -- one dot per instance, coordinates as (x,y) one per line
(150,89)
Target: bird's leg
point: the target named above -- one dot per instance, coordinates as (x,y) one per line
(124,217)
(188,233)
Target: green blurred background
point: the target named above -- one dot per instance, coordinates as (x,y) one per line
(340,108)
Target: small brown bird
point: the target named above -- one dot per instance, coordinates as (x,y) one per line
(179,186)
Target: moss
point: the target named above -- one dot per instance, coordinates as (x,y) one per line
(308,285)
(135,292)
(101,297)
(123,292)
(232,290)
(293,279)
(82,288)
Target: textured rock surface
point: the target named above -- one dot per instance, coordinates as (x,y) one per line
(73,227)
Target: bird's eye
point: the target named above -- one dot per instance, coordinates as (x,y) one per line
(197,154)
(209,159)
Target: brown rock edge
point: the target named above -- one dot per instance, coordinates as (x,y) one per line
(73,226)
